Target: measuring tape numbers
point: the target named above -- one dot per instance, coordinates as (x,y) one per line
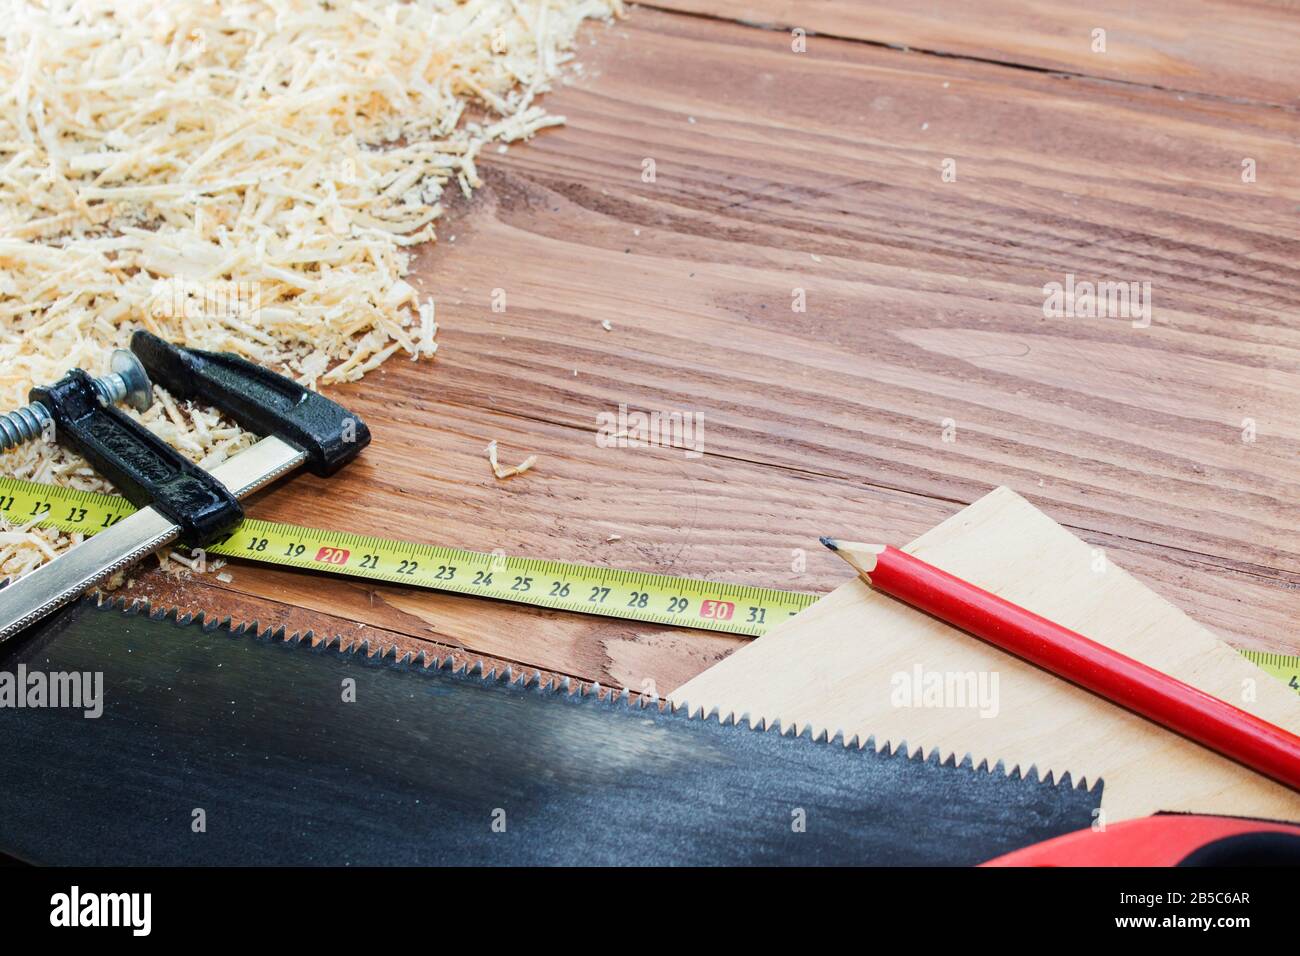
(587,589)
(583,588)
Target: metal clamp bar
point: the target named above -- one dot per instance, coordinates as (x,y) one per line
(96,559)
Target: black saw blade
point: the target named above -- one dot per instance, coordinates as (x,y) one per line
(219,745)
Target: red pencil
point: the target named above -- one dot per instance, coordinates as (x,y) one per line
(1144,690)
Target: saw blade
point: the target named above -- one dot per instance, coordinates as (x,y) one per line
(221,745)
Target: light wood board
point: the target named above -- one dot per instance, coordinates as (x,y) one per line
(836,667)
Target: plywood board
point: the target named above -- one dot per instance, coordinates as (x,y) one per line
(846,663)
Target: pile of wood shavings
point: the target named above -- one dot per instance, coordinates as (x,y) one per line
(240,176)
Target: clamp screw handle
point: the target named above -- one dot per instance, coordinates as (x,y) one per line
(127,382)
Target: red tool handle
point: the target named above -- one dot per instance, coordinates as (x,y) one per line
(1163,840)
(1144,690)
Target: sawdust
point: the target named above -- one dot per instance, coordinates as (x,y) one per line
(503,471)
(241,176)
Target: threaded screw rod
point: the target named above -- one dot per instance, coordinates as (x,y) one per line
(127,382)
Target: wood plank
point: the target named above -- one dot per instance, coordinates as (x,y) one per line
(743,522)
(925,301)
(924,304)
(861,662)
(1214,47)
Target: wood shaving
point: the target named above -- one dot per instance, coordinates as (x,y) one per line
(241,175)
(503,472)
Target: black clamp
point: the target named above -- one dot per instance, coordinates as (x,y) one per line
(147,470)
(150,473)
(258,399)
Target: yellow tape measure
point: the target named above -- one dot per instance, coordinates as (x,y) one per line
(632,595)
(587,589)
(1285,667)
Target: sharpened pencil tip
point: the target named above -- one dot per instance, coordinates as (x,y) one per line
(861,557)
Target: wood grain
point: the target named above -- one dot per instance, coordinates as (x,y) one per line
(1215,47)
(848,663)
(822,172)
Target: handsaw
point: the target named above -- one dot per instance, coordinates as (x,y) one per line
(221,745)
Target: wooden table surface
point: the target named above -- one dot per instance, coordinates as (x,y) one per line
(823,171)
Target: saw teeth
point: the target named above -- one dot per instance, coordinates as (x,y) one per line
(564,688)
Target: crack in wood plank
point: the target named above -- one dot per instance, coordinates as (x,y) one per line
(1056,72)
